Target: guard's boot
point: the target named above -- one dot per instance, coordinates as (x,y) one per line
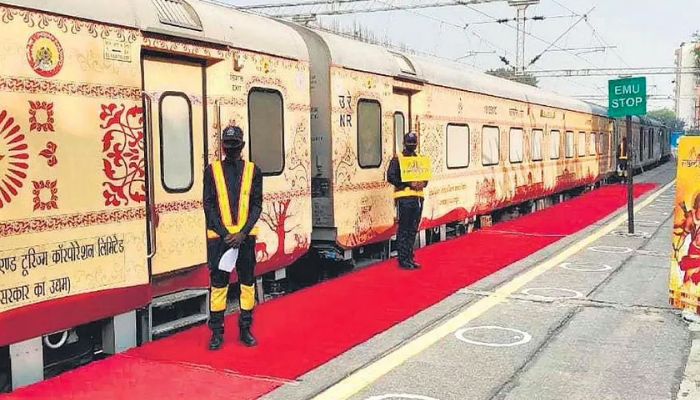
(245,321)
(216,341)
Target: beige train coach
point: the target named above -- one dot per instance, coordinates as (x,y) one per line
(109,113)
(493,143)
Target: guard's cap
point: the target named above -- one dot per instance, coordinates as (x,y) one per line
(411,138)
(232,136)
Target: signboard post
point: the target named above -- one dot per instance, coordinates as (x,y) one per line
(626,98)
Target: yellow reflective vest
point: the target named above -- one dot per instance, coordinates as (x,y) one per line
(225,204)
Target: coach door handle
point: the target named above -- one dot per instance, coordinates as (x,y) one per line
(152,213)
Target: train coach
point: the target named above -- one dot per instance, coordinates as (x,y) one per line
(493,143)
(109,114)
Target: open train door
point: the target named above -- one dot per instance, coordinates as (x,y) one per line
(174,101)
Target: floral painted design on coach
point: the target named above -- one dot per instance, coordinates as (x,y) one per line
(13,158)
(45,195)
(41,116)
(123,150)
(50,154)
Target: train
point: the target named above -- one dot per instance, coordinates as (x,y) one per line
(109,113)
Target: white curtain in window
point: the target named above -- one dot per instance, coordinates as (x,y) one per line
(490,141)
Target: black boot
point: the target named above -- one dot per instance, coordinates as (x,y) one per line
(245,320)
(216,341)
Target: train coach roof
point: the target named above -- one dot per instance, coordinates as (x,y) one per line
(197,20)
(376,59)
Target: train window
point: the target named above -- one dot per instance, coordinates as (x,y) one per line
(369,133)
(516,145)
(569,139)
(604,143)
(490,145)
(537,139)
(581,144)
(457,146)
(176,159)
(554,144)
(399,131)
(592,145)
(266,130)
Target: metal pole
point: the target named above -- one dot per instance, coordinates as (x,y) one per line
(520,41)
(630,170)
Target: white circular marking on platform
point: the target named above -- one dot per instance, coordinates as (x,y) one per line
(572,294)
(520,336)
(636,234)
(611,249)
(400,396)
(585,267)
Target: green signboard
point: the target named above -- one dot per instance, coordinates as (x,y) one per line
(627,97)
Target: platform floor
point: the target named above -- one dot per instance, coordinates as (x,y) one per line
(385,333)
(585,318)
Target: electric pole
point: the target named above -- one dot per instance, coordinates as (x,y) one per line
(521,6)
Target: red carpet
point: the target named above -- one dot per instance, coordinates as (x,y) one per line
(301,331)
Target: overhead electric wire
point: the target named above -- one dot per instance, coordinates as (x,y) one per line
(531,35)
(566,32)
(595,32)
(463,28)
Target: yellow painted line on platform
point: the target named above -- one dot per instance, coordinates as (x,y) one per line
(362,378)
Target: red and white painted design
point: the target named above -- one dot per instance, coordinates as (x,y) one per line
(41,116)
(45,195)
(45,54)
(275,216)
(179,206)
(13,158)
(50,154)
(53,87)
(123,149)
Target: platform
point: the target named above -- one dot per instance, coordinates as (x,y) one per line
(557,304)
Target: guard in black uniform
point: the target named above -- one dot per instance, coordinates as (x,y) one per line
(622,159)
(409,203)
(233,196)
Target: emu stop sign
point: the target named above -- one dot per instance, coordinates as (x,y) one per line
(627,97)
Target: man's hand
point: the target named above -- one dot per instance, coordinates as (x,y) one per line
(417,185)
(235,240)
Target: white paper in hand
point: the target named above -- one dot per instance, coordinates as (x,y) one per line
(228,260)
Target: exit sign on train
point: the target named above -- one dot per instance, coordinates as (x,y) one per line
(627,97)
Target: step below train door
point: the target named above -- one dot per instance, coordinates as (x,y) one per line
(174,96)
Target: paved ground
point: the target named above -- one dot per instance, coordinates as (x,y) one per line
(595,325)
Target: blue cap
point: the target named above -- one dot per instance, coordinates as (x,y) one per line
(411,138)
(232,136)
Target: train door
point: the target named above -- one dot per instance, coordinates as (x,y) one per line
(402,118)
(176,155)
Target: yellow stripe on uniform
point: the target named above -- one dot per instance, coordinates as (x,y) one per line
(247,297)
(408,192)
(362,378)
(222,193)
(218,299)
(224,202)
